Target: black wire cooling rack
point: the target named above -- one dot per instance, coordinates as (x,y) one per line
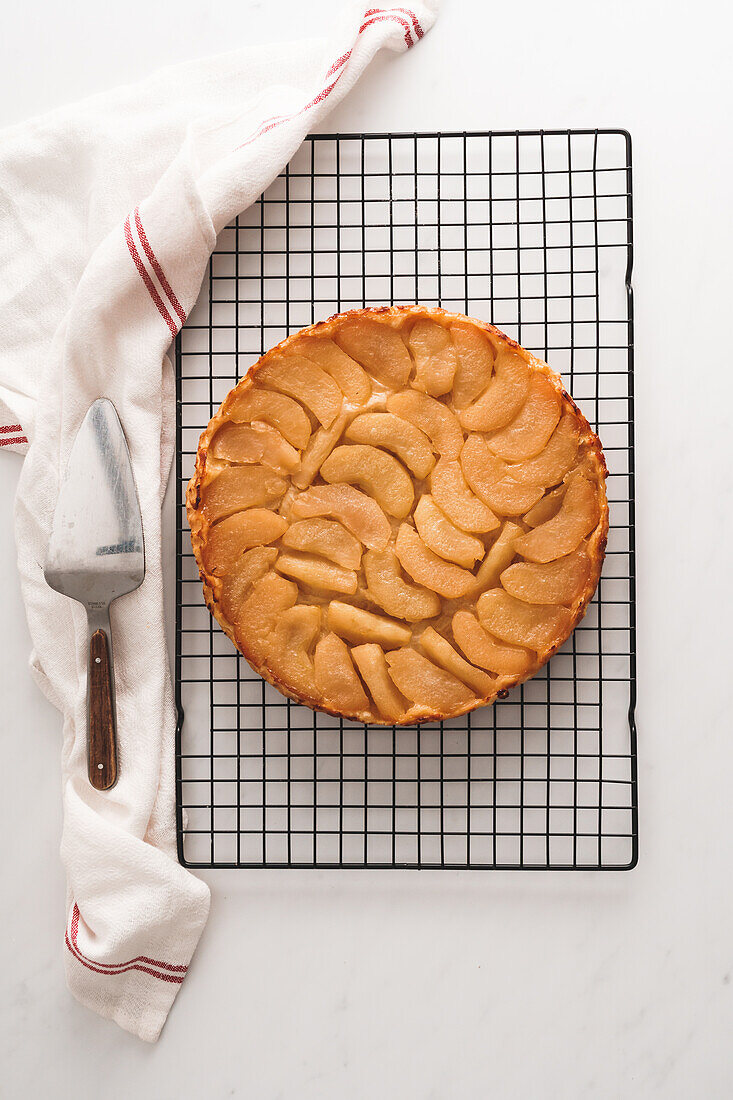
(532,231)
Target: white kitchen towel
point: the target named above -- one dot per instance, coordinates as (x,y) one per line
(109,211)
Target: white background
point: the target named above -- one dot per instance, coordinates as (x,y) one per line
(441,985)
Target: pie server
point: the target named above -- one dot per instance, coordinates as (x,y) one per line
(96,554)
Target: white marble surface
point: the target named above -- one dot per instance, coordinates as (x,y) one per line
(441,985)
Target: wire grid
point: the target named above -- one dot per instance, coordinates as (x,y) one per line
(532,231)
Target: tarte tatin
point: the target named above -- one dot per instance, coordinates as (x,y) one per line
(398,515)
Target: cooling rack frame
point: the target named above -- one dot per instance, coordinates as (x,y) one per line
(291,788)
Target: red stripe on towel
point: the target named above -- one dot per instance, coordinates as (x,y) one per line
(157,268)
(419,32)
(378,15)
(374,15)
(171,973)
(132,247)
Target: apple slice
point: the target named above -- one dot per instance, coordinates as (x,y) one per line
(483,649)
(453,496)
(326,537)
(443,537)
(428,569)
(443,653)
(431,417)
(336,676)
(504,395)
(379,349)
(545,508)
(552,463)
(252,565)
(560,581)
(322,442)
(426,684)
(273,408)
(239,487)
(434,355)
(324,576)
(245,443)
(271,595)
(531,429)
(475,363)
(394,595)
(307,383)
(228,540)
(352,380)
(293,633)
(501,554)
(393,433)
(370,661)
(579,513)
(376,472)
(357,625)
(486,474)
(358,512)
(539,627)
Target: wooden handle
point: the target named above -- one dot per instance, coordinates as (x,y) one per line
(102,740)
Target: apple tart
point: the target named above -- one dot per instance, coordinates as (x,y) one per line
(398,515)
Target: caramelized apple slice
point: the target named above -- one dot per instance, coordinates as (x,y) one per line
(501,554)
(504,395)
(336,676)
(539,627)
(560,581)
(238,487)
(443,653)
(486,474)
(273,408)
(244,443)
(358,512)
(483,649)
(325,537)
(393,594)
(426,684)
(475,363)
(546,508)
(428,569)
(394,434)
(579,513)
(552,463)
(307,383)
(293,634)
(431,417)
(434,355)
(529,432)
(351,379)
(379,349)
(370,661)
(443,537)
(252,565)
(314,573)
(269,598)
(449,489)
(322,442)
(378,473)
(228,540)
(357,625)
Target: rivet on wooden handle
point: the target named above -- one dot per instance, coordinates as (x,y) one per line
(102,749)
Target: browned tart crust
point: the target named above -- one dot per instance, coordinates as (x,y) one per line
(398,514)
